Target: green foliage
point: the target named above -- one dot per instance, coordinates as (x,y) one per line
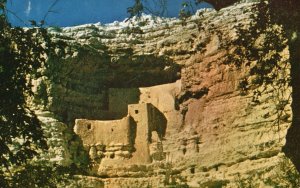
(40,175)
(214,184)
(258,47)
(248,182)
(173,178)
(136,10)
(132,30)
(22,53)
(285,175)
(261,41)
(43,174)
(186,11)
(153,7)
(41,96)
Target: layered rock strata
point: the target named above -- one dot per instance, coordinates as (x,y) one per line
(214,131)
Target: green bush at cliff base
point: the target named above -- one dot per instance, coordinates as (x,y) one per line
(22,53)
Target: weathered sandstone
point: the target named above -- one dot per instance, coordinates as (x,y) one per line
(158,104)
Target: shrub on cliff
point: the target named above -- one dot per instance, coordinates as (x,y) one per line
(23,51)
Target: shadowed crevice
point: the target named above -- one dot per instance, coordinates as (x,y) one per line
(292,146)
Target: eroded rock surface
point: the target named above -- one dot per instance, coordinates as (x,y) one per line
(214,132)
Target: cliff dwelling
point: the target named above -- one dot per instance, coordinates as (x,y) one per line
(169,105)
(125,141)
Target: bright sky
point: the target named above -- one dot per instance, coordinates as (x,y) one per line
(76,12)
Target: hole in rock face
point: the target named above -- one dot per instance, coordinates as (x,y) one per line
(112,156)
(89,126)
(136,111)
(192,170)
(184,151)
(112,130)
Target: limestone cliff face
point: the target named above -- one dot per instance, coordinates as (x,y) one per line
(214,131)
